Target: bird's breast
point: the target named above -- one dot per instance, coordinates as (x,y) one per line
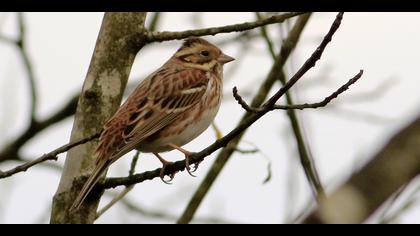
(189,125)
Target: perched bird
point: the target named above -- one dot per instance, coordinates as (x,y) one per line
(168,109)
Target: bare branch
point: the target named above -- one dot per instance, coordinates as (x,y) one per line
(49,156)
(316,55)
(323,103)
(166,35)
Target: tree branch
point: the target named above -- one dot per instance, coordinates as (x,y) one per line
(166,35)
(46,157)
(391,168)
(323,103)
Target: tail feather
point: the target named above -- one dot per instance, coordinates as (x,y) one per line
(90,183)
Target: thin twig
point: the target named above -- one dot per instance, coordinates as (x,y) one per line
(316,55)
(49,156)
(165,35)
(323,103)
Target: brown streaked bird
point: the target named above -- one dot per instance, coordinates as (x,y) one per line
(167,110)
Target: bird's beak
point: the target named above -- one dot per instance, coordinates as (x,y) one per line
(223,58)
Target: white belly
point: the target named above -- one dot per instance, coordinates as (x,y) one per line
(191,131)
(194,129)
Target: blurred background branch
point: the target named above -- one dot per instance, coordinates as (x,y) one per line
(390,169)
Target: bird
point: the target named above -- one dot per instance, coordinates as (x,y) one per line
(168,109)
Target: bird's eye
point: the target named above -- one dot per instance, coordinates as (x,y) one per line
(205,53)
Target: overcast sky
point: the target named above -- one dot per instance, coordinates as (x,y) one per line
(341,137)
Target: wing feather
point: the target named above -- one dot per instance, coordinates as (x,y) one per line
(156,103)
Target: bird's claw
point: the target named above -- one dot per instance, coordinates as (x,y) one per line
(162,174)
(171,176)
(187,165)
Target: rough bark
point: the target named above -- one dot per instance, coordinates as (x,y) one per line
(101,96)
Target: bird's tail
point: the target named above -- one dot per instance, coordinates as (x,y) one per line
(90,183)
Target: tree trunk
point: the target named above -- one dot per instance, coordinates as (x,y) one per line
(101,96)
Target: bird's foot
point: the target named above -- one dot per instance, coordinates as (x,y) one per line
(188,156)
(165,163)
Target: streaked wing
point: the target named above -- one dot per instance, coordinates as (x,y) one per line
(155,103)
